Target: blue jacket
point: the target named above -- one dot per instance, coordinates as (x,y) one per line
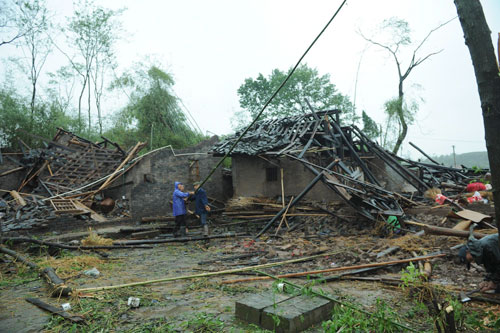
(178,204)
(201,201)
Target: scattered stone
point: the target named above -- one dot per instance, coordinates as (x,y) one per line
(134,302)
(94,272)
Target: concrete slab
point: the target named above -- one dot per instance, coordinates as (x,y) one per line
(296,314)
(250,308)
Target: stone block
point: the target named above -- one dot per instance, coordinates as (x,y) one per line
(250,308)
(296,314)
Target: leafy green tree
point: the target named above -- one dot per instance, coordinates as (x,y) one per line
(393,126)
(394,36)
(305,83)
(370,127)
(153,113)
(16,118)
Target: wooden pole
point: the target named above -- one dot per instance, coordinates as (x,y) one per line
(122,164)
(11,171)
(337,269)
(283,200)
(284,217)
(201,275)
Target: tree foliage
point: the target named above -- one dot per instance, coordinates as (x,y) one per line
(16,119)
(305,83)
(153,113)
(370,127)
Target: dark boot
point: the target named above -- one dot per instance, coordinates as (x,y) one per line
(205,230)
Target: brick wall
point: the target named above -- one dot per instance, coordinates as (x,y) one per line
(152,179)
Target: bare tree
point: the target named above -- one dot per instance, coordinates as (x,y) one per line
(92,31)
(34,43)
(478,40)
(399,38)
(9,29)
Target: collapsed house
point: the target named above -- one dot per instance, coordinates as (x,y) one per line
(74,177)
(65,177)
(313,156)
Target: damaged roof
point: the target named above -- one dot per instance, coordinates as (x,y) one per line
(274,134)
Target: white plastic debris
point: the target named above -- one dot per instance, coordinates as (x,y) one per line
(66,306)
(280,287)
(92,272)
(134,302)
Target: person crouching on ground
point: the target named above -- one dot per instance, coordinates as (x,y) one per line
(179,208)
(486,252)
(202,207)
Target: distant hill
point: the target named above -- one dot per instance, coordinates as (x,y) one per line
(477,158)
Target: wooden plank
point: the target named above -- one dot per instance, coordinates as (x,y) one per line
(333,180)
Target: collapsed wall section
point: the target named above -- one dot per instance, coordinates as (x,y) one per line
(149,185)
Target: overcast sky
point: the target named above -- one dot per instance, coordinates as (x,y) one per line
(210,47)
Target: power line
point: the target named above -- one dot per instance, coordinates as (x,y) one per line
(272,96)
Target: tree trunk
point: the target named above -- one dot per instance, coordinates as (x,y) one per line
(90,121)
(80,98)
(401,116)
(478,40)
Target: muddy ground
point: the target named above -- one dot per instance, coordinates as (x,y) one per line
(207,305)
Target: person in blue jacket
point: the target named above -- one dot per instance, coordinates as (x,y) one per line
(179,208)
(202,207)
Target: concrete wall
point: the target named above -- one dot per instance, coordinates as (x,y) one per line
(249,179)
(152,179)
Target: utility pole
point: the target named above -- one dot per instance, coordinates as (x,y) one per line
(454,157)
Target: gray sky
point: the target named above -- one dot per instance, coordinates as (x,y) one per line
(212,46)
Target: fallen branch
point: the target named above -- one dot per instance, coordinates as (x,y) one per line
(433,230)
(337,269)
(58,288)
(19,257)
(71,247)
(52,309)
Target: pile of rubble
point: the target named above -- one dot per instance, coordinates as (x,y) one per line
(65,178)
